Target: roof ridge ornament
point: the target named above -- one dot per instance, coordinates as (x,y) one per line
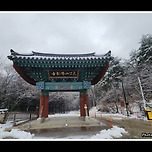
(109,53)
(15,53)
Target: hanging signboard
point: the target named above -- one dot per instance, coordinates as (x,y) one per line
(63,74)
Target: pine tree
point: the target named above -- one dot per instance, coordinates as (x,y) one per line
(144,54)
(114,73)
(141,63)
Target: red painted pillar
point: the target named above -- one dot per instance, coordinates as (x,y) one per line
(82,110)
(44,104)
(83,101)
(41,107)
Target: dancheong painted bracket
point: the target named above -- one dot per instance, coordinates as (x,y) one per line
(60,86)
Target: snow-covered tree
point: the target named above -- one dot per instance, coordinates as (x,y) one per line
(61,102)
(144,54)
(139,65)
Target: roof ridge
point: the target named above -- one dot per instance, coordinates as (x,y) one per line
(62,55)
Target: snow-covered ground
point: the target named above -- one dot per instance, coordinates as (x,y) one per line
(135,115)
(14,133)
(114,132)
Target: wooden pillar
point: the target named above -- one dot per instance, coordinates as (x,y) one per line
(82,110)
(83,101)
(44,104)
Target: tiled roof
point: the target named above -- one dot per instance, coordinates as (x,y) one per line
(35,67)
(48,56)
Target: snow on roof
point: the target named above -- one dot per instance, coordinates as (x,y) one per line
(49,56)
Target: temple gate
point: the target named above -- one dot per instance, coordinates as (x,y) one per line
(61,72)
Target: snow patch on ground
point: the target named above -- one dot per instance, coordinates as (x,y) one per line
(115,132)
(136,115)
(93,110)
(14,133)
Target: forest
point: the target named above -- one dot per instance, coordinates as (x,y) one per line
(120,84)
(121,80)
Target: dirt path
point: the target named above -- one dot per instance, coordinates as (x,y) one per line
(135,127)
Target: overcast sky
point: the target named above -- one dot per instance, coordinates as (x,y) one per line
(73,32)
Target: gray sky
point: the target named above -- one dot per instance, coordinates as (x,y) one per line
(73,32)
